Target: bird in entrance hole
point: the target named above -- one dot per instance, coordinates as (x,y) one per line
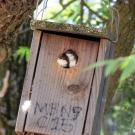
(68,59)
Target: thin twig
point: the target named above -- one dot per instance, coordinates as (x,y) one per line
(61,3)
(81,11)
(94,12)
(64,7)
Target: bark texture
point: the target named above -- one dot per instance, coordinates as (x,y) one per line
(11,85)
(126,40)
(12,14)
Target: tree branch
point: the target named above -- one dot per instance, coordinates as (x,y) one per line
(81,11)
(64,7)
(4,89)
(94,12)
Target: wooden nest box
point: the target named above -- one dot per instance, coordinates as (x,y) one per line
(59,97)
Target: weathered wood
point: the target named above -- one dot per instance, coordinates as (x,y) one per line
(55,110)
(68,28)
(102,94)
(97,98)
(28,81)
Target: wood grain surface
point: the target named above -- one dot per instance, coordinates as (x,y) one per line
(28,81)
(96,99)
(55,109)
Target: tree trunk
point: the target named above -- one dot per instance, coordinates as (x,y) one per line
(12,14)
(9,102)
(126,39)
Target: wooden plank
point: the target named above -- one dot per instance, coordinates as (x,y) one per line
(68,29)
(28,81)
(102,95)
(96,93)
(54,108)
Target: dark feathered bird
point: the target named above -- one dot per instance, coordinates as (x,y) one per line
(68,59)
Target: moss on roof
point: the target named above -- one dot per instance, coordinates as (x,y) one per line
(67,28)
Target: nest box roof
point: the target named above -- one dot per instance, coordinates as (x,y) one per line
(67,28)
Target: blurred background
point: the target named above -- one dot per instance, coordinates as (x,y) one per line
(119,116)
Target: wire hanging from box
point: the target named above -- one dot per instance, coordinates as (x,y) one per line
(41,11)
(115,19)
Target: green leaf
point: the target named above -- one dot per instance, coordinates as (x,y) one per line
(125,63)
(129,69)
(95,65)
(23,53)
(112,66)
